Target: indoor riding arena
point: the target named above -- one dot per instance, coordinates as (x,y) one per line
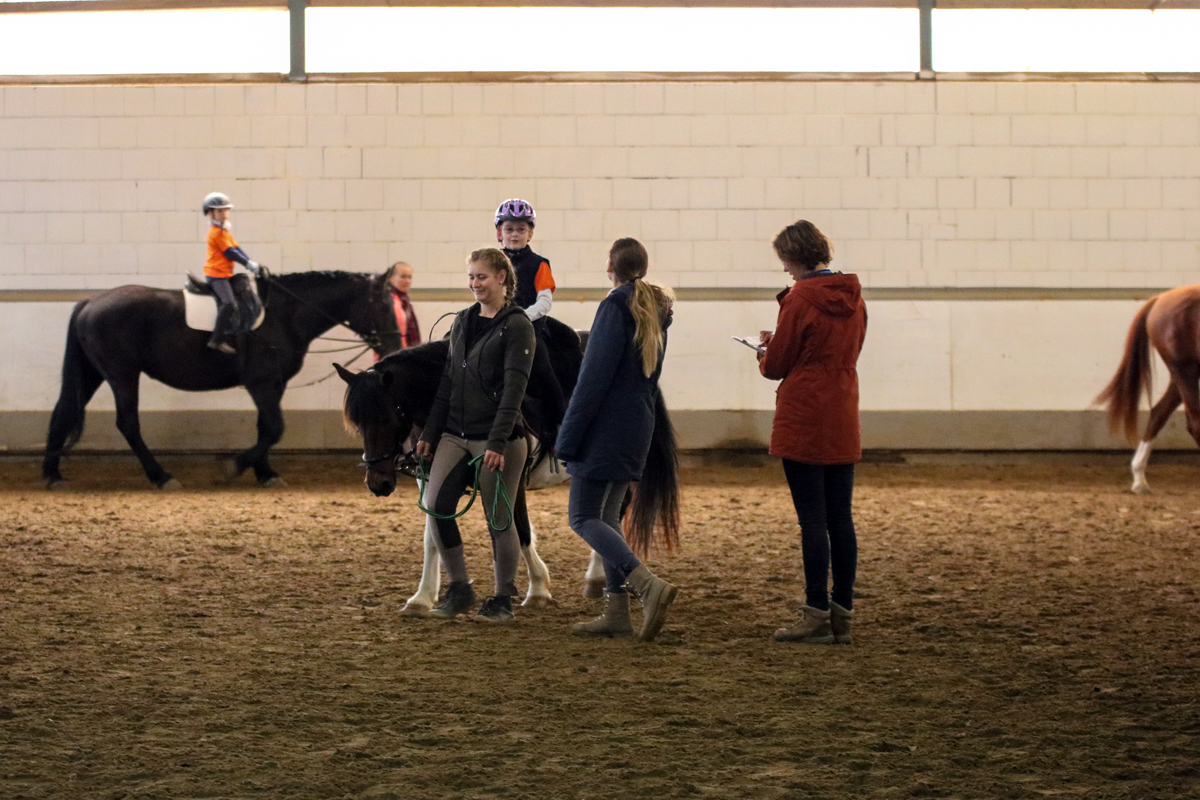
(1010,182)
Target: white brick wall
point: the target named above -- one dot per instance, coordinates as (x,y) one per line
(989,184)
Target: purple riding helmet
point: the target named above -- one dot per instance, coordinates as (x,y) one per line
(515,210)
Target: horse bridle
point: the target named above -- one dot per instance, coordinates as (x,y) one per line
(397,448)
(371,339)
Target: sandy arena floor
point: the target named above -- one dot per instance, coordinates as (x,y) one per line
(1021,632)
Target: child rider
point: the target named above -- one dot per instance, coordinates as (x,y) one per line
(223,251)
(535,283)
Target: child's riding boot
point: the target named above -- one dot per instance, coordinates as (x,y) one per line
(224,328)
(613,622)
(840,619)
(656,595)
(813,628)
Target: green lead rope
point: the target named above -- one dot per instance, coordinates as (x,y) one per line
(501,493)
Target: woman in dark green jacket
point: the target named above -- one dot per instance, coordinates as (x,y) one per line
(477,413)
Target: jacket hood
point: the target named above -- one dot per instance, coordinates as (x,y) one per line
(834,295)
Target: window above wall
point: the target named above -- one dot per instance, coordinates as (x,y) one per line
(403,40)
(185,41)
(612,40)
(1066,40)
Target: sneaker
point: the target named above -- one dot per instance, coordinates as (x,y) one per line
(459,598)
(496,609)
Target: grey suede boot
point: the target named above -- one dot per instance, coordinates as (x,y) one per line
(613,622)
(813,628)
(840,619)
(656,595)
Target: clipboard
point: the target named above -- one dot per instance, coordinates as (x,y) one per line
(756,348)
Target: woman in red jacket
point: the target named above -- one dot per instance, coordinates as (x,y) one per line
(813,350)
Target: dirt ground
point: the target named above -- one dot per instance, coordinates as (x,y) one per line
(1021,631)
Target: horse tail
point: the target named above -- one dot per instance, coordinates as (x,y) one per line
(656,498)
(1133,375)
(80,379)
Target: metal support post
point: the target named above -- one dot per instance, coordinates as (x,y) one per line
(926,11)
(296,24)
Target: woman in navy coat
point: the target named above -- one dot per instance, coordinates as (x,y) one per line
(605,436)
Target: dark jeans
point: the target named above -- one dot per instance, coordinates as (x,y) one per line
(594,511)
(822,495)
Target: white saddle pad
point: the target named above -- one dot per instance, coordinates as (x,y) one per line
(200,311)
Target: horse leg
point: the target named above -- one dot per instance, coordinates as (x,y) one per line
(1159,415)
(431,576)
(266,396)
(66,424)
(594,580)
(125,393)
(538,593)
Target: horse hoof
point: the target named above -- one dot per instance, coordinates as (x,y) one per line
(412,609)
(274,483)
(229,470)
(170,485)
(539,601)
(1140,488)
(57,485)
(593,589)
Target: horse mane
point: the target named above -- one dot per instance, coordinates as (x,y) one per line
(365,399)
(318,278)
(430,355)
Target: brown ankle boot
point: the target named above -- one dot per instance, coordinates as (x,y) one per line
(613,622)
(839,620)
(656,595)
(813,628)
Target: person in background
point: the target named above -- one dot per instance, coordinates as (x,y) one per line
(515,220)
(814,352)
(605,436)
(223,253)
(400,278)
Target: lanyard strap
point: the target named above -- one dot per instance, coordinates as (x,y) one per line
(500,493)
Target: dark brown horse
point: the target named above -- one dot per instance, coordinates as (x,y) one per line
(123,332)
(384,403)
(1171,323)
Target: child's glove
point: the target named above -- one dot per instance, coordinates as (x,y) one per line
(254,268)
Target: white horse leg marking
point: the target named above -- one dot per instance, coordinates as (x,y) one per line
(538,594)
(594,580)
(431,574)
(1138,466)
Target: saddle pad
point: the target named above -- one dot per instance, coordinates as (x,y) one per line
(201,312)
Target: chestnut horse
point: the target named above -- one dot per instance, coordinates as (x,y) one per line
(1171,323)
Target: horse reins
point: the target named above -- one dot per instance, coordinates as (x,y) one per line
(369,341)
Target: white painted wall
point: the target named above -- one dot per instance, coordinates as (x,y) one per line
(919,184)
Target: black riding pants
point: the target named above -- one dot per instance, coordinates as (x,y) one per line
(822,495)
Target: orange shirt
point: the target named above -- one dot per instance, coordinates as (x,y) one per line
(217,265)
(544,278)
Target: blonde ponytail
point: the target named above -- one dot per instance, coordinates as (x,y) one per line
(629,261)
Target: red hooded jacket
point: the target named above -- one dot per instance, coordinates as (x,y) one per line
(819,334)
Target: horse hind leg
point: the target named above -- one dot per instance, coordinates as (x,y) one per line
(538,594)
(1159,414)
(594,580)
(431,576)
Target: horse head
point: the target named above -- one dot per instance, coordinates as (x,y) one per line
(370,409)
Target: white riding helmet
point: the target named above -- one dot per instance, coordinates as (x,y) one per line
(216,200)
